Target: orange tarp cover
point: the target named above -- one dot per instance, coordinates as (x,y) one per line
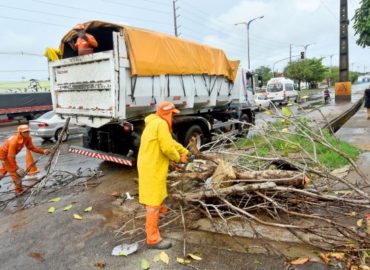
(153,53)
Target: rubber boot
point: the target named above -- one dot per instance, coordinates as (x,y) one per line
(163,244)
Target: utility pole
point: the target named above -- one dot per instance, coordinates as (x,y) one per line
(175,16)
(343,87)
(343,41)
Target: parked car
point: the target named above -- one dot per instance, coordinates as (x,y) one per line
(50,125)
(281,90)
(262,102)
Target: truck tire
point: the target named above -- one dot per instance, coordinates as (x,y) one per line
(57,134)
(193,131)
(243,130)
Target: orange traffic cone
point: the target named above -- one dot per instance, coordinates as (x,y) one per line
(32,168)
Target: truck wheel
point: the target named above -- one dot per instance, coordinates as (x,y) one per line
(57,134)
(244,128)
(194,131)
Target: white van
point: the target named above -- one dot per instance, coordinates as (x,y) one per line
(281,90)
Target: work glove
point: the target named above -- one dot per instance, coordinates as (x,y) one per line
(46,152)
(184,158)
(20,172)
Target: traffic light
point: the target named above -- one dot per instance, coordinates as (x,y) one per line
(302,55)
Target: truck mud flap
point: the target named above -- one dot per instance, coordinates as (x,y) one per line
(102,155)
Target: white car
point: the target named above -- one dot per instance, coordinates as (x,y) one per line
(262,102)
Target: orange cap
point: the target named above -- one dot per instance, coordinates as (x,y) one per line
(166,107)
(23,128)
(79,26)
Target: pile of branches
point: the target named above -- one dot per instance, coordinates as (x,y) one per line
(295,193)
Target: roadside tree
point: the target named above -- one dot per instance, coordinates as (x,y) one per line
(265,72)
(362,23)
(308,70)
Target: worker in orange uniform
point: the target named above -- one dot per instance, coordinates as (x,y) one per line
(157,148)
(8,151)
(85,43)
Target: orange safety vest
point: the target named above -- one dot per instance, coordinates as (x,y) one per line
(86,46)
(13,145)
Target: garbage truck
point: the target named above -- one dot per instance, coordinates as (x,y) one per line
(132,70)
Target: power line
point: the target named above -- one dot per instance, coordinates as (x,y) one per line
(136,7)
(21,53)
(32,21)
(97,12)
(40,12)
(329,10)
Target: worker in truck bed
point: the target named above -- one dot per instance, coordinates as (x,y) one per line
(85,43)
(8,151)
(157,148)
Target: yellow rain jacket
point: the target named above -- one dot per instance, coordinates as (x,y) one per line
(157,148)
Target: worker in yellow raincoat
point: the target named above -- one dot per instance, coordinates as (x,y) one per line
(157,148)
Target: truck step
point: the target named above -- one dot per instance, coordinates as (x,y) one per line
(102,155)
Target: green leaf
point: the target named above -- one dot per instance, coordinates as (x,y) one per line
(88,209)
(144,264)
(57,199)
(164,257)
(51,210)
(66,208)
(122,253)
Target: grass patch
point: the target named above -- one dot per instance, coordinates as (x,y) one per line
(310,92)
(293,144)
(16,85)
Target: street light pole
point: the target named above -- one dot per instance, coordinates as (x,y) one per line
(305,48)
(247,24)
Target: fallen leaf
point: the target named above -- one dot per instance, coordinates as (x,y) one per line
(164,257)
(290,104)
(194,257)
(66,208)
(115,194)
(325,258)
(300,261)
(51,210)
(354,267)
(57,199)
(100,264)
(305,97)
(122,253)
(353,214)
(257,262)
(284,130)
(286,111)
(337,255)
(267,112)
(364,267)
(359,222)
(156,258)
(144,264)
(77,216)
(182,261)
(37,256)
(88,209)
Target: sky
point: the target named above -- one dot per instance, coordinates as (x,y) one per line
(29,26)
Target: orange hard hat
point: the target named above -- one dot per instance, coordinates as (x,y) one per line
(166,107)
(23,128)
(79,26)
